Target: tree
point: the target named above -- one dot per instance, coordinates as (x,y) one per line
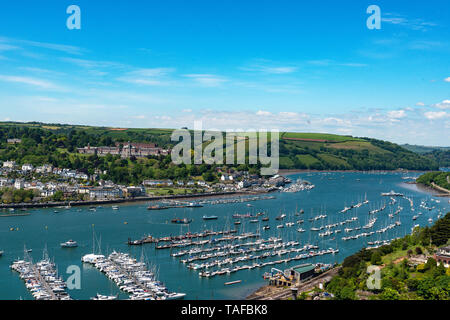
(376,258)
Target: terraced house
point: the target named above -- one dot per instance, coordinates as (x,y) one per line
(127,150)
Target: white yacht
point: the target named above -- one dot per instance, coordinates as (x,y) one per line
(103,297)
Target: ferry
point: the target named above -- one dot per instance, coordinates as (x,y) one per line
(392,193)
(1,253)
(69,244)
(115,207)
(194,205)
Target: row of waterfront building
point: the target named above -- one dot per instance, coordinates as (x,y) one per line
(126,150)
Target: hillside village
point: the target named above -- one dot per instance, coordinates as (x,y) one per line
(48,183)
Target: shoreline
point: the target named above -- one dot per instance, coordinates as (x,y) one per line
(296,171)
(433,189)
(117,201)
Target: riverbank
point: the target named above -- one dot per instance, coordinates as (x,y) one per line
(285,172)
(433,189)
(125,200)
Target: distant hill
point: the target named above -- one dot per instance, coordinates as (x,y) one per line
(317,151)
(423,149)
(441,155)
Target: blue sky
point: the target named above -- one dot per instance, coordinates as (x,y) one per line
(308,66)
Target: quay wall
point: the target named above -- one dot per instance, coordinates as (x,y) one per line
(115,201)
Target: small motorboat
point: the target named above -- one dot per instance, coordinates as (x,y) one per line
(69,244)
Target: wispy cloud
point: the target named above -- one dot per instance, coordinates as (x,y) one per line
(148,77)
(207,80)
(328,62)
(74,50)
(93,64)
(43,84)
(400,20)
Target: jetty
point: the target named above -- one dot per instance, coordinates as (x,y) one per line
(41,279)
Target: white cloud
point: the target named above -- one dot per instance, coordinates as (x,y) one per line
(443,105)
(397,114)
(435,115)
(263,113)
(447,79)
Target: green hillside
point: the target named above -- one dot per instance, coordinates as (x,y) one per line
(441,155)
(56,144)
(400,278)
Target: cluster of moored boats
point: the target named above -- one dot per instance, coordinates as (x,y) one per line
(131,276)
(221,256)
(298,186)
(258,263)
(175,239)
(41,279)
(236,200)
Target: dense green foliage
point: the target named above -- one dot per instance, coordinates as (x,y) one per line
(439,178)
(442,157)
(8,195)
(399,280)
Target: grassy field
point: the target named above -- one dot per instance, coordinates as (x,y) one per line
(318,136)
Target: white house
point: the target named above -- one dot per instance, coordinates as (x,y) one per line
(19,184)
(27,167)
(244,184)
(226,177)
(9,164)
(46,168)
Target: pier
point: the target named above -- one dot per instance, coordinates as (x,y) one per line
(41,279)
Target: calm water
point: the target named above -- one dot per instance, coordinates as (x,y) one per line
(333,192)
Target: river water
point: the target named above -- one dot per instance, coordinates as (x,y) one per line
(333,191)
